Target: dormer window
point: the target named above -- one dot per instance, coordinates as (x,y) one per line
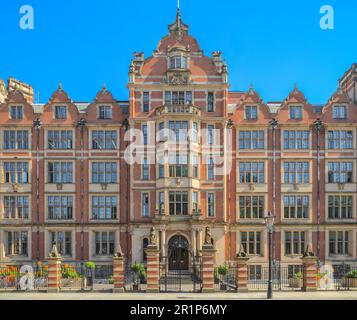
(60,112)
(105,112)
(295,112)
(251,112)
(339,112)
(178,62)
(16,112)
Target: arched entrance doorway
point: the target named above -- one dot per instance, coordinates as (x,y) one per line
(178,253)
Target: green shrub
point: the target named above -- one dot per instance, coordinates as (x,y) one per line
(111,280)
(298,275)
(216,277)
(90,265)
(352,274)
(139,269)
(223,270)
(68,272)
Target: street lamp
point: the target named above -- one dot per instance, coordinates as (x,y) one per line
(269,222)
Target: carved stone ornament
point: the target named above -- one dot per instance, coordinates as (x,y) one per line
(153,239)
(119,253)
(178,78)
(54,252)
(15,187)
(242,253)
(308,252)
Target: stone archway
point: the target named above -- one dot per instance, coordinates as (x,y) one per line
(178,253)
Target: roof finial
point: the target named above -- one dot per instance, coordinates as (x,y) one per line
(60,87)
(104,88)
(178,5)
(296,87)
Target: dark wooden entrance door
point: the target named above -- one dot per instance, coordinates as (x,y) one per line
(178,253)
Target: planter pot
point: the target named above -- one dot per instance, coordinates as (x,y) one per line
(67,283)
(349,282)
(295,283)
(89,281)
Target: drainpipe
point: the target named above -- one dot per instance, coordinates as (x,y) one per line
(318,126)
(81,124)
(274,124)
(230,125)
(37,127)
(126,127)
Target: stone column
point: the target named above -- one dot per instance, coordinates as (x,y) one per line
(208,259)
(193,241)
(199,241)
(153,264)
(163,243)
(242,271)
(309,261)
(54,270)
(118,272)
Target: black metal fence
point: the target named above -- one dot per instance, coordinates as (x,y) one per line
(344,277)
(86,276)
(283,277)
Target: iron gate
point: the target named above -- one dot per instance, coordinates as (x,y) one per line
(181,280)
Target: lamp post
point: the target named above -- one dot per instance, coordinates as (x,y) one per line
(269,222)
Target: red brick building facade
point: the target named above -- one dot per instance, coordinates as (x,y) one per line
(64,177)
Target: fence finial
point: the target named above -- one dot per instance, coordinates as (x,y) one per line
(309,252)
(242,253)
(54,252)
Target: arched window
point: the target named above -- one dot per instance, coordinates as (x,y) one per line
(145,245)
(178,62)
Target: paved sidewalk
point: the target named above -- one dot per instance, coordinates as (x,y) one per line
(331,295)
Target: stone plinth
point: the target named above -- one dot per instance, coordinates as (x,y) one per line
(208,258)
(153,264)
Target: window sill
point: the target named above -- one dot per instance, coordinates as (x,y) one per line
(17,256)
(98,221)
(54,221)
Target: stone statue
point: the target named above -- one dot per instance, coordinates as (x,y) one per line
(153,239)
(208,237)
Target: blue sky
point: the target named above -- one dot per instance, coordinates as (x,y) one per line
(271,44)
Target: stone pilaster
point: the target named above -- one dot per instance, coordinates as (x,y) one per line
(118,272)
(208,258)
(153,265)
(309,261)
(54,271)
(242,271)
